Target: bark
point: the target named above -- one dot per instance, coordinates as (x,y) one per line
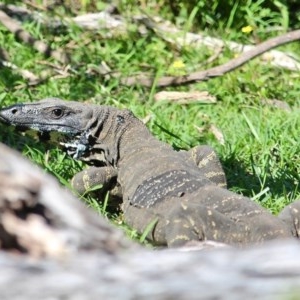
(269,272)
(40,218)
(53,247)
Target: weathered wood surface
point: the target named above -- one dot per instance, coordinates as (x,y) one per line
(271,272)
(40,218)
(58,249)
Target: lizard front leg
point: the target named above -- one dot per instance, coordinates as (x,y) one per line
(203,156)
(90,178)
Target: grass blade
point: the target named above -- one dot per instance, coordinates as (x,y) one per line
(252,128)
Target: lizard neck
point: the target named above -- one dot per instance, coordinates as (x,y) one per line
(114,135)
(133,142)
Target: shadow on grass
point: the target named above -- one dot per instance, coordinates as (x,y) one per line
(9,79)
(241,180)
(18,141)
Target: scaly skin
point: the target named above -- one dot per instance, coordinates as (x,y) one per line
(180,192)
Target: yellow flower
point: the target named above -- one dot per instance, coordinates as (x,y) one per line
(247,29)
(177,68)
(178,64)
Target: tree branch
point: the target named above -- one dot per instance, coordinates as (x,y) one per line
(25,37)
(148,81)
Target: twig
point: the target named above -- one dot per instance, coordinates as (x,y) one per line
(35,5)
(27,75)
(147,81)
(4,62)
(213,57)
(24,36)
(47,74)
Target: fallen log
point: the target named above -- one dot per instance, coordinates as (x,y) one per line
(53,247)
(40,218)
(268,272)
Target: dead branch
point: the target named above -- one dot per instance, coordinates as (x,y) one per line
(179,38)
(112,24)
(116,24)
(35,210)
(27,75)
(4,62)
(148,81)
(25,37)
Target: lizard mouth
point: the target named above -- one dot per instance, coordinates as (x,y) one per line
(46,127)
(42,127)
(21,128)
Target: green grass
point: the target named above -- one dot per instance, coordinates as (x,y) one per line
(261,151)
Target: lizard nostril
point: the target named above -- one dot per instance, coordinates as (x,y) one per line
(14,111)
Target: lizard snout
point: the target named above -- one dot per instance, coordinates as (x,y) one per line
(9,114)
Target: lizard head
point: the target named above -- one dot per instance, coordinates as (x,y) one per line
(53,115)
(44,116)
(88,132)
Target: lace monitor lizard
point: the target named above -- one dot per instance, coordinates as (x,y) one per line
(183,191)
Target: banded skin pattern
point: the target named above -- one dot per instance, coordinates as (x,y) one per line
(183,193)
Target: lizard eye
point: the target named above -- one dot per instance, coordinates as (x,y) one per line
(57,113)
